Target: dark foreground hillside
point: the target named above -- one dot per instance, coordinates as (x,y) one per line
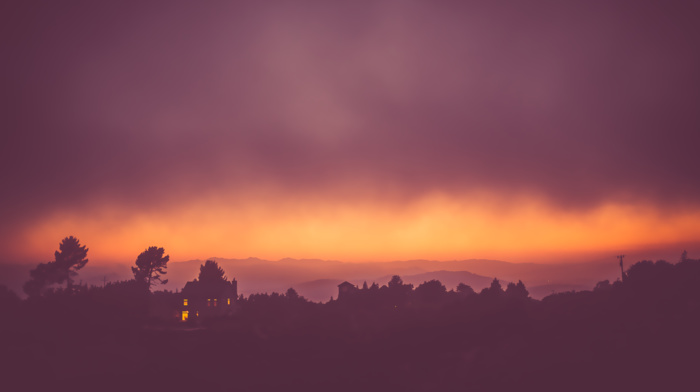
(642,334)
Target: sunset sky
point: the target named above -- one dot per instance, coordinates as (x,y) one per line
(352,131)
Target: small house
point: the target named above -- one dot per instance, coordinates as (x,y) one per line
(208,299)
(346,288)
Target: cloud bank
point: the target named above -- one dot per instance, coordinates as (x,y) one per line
(149,106)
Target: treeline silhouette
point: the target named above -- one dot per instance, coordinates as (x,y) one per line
(639,333)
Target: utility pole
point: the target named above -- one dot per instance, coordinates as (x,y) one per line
(622,269)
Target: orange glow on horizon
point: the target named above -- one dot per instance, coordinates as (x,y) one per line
(437,227)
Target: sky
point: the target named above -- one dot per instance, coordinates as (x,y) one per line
(351,131)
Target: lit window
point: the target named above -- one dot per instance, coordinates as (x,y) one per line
(184,302)
(208,301)
(215,301)
(185,314)
(197,314)
(228,301)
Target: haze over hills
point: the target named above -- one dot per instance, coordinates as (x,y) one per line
(575,272)
(317,279)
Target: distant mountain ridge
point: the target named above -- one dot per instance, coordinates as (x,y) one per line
(450,279)
(260,275)
(321,290)
(317,279)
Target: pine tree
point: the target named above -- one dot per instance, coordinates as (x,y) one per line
(150,265)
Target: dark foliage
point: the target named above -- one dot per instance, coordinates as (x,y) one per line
(517,291)
(211,272)
(8,297)
(637,335)
(465,289)
(430,291)
(70,258)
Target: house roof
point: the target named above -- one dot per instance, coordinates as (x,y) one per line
(216,289)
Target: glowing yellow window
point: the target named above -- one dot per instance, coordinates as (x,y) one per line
(228,300)
(184,302)
(185,314)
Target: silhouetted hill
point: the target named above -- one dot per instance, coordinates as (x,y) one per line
(539,292)
(319,290)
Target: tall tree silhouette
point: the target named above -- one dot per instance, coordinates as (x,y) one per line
(431,290)
(70,257)
(292,294)
(397,291)
(494,291)
(465,289)
(150,265)
(517,291)
(395,282)
(211,272)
